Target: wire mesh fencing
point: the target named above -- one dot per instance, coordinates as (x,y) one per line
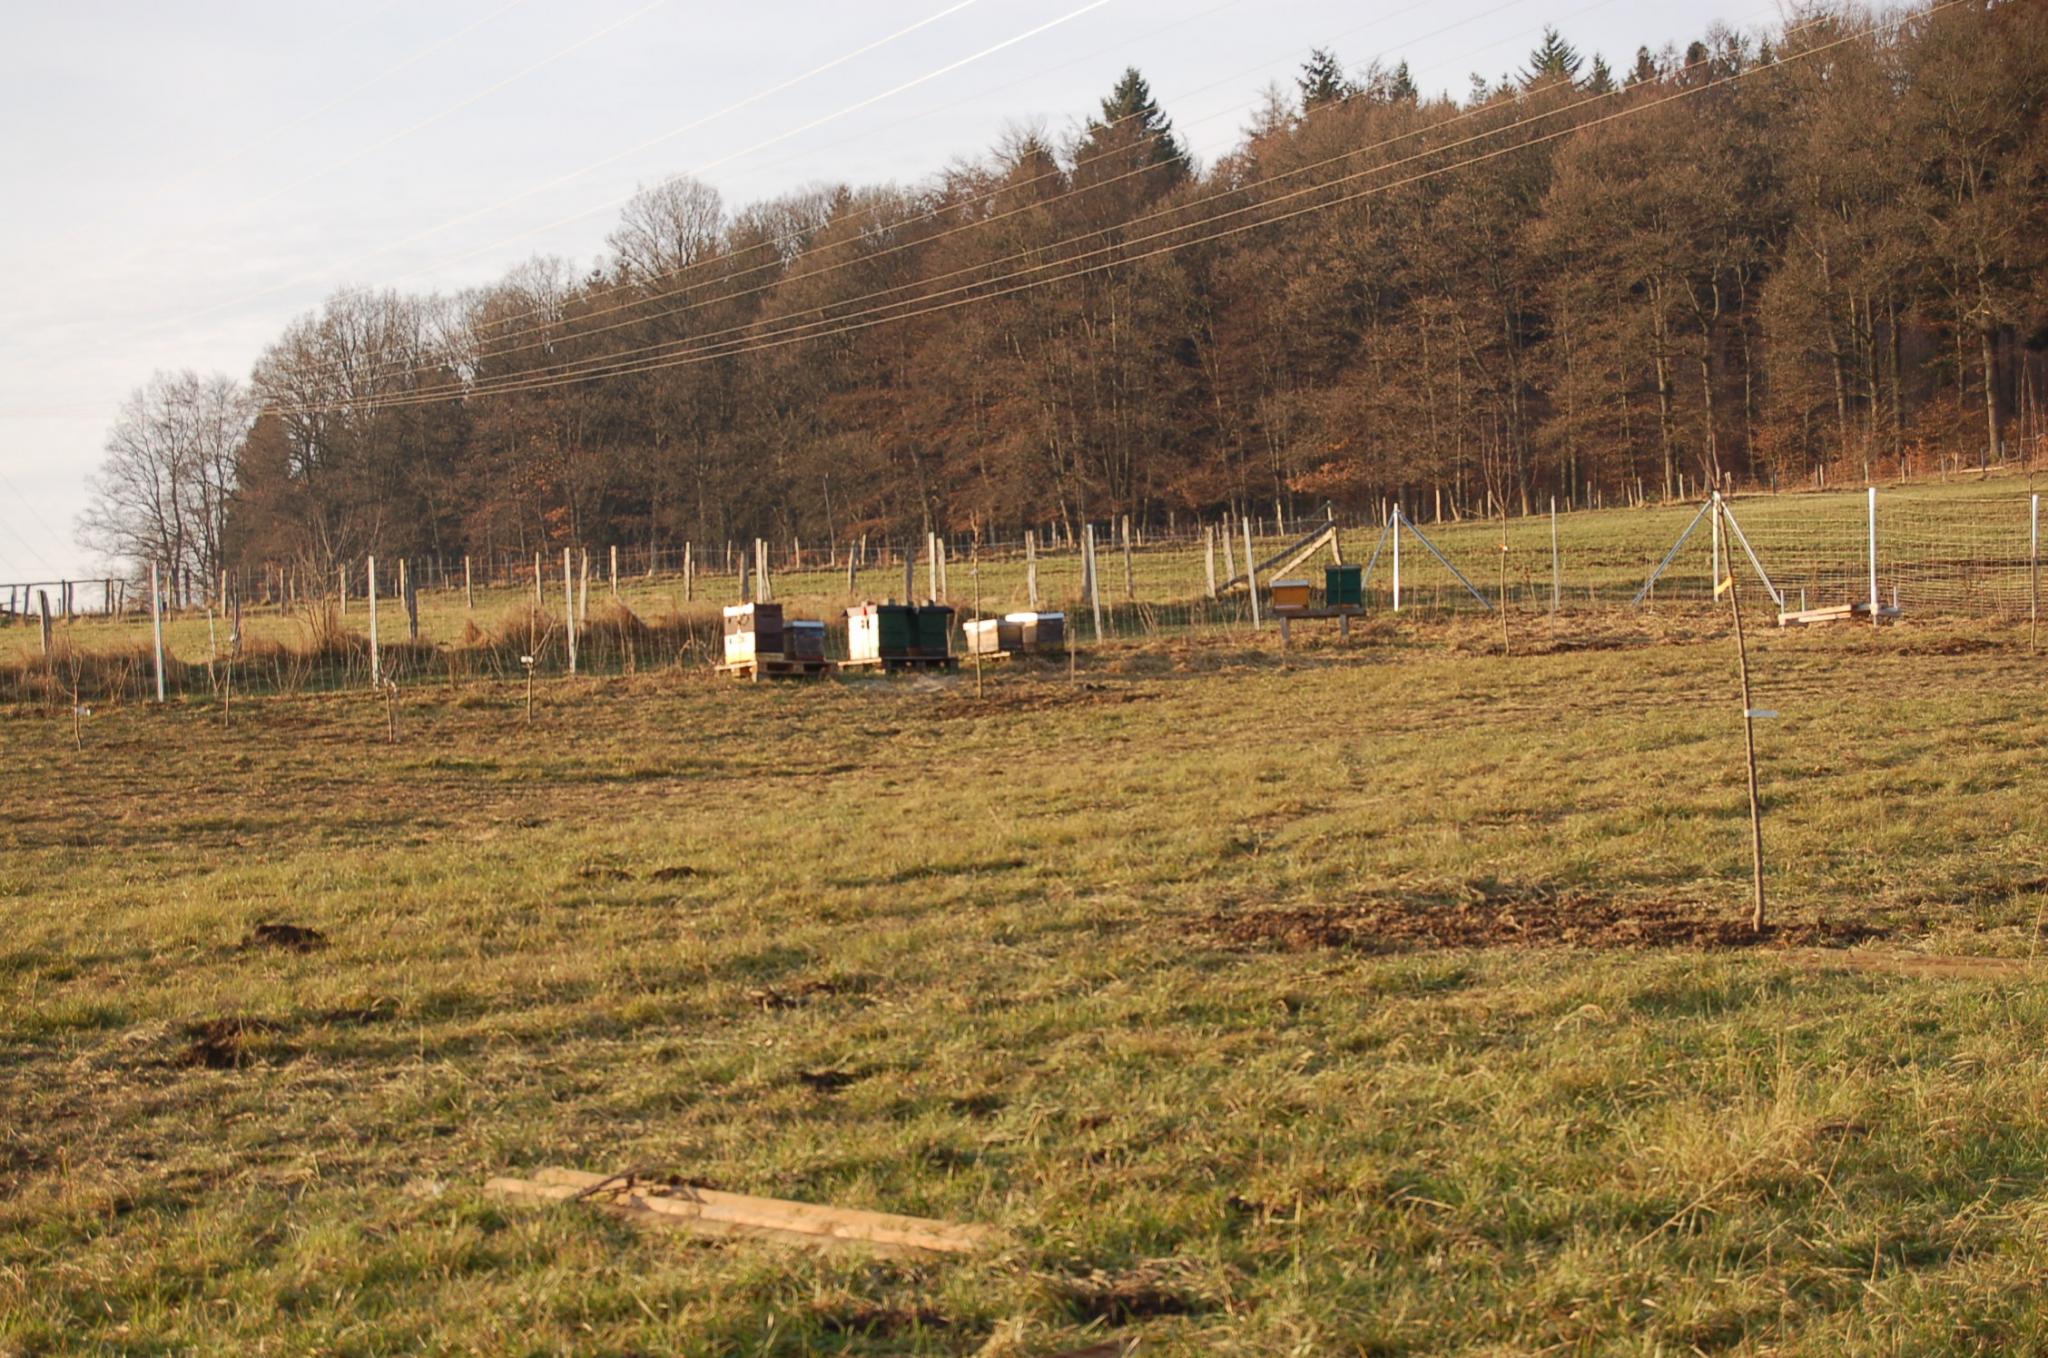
(1940,552)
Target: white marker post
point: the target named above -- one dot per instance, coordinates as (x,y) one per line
(376,663)
(1873,556)
(1396,532)
(1251,572)
(156,627)
(569,602)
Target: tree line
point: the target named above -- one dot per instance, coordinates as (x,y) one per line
(1740,260)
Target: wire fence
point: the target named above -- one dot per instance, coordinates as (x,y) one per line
(1951,552)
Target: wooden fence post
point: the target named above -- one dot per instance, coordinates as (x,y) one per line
(468,587)
(410,588)
(43,603)
(1209,558)
(615,572)
(689,575)
(1031,567)
(583,591)
(539,602)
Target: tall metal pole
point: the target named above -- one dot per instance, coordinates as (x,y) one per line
(1251,572)
(1556,574)
(1756,810)
(376,660)
(1396,528)
(156,627)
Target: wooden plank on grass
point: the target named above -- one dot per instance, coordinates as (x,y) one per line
(705,1211)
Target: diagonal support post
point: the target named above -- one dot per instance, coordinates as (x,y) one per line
(1409,523)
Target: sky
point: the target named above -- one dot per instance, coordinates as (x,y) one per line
(182,180)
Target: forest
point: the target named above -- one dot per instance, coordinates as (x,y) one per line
(1734,262)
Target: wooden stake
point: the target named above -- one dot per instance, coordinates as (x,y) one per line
(1031,567)
(43,605)
(468,587)
(615,572)
(974,572)
(1209,558)
(1094,583)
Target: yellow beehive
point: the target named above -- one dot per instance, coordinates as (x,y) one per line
(1290,594)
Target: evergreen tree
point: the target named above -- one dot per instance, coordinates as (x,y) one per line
(1554,59)
(1402,89)
(1645,71)
(1130,114)
(1601,78)
(1322,80)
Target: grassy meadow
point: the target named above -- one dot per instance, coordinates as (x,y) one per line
(1373,1000)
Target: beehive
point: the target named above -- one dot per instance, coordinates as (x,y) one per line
(1290,593)
(877,631)
(1039,631)
(752,632)
(803,640)
(934,630)
(1343,586)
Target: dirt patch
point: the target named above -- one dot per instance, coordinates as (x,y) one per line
(1583,921)
(797,995)
(829,1081)
(875,1321)
(287,937)
(674,872)
(223,1043)
(1157,1287)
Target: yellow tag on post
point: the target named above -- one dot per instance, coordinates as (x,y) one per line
(1725,585)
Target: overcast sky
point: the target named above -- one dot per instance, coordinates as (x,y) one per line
(180,179)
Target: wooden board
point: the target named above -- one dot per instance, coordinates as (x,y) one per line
(888,663)
(709,1212)
(769,668)
(1807,617)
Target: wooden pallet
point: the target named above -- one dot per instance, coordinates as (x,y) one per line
(775,667)
(890,664)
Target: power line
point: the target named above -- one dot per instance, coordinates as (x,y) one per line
(838,325)
(322,110)
(690,267)
(815,71)
(596,363)
(399,364)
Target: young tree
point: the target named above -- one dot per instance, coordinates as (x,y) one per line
(1553,60)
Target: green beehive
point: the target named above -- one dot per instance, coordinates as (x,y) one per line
(934,630)
(897,624)
(1343,586)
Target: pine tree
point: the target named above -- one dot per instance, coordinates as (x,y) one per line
(1402,90)
(1554,59)
(1131,114)
(1645,71)
(1601,78)
(1322,80)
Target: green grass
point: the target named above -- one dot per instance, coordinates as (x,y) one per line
(618,937)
